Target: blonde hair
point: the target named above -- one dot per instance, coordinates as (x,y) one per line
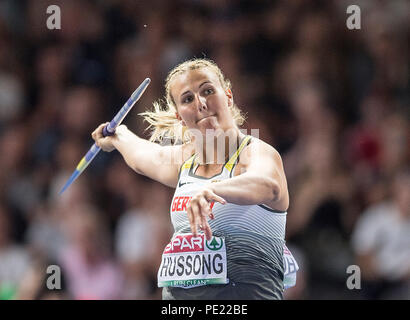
(162,119)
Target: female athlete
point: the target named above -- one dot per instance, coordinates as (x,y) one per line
(231,196)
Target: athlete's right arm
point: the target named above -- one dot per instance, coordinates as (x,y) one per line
(160,163)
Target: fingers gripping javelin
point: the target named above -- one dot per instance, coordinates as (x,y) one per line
(108,130)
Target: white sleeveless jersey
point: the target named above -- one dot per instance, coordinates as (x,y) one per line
(229,217)
(254,234)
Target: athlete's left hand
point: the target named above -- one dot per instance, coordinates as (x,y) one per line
(199,210)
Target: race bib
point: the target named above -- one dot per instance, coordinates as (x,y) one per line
(291,267)
(190,261)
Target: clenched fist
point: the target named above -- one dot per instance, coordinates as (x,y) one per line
(107,143)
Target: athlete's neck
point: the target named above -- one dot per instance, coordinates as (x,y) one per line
(217,149)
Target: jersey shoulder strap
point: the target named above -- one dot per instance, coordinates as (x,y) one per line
(232,161)
(186,166)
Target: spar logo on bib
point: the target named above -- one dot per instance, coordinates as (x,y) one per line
(189,243)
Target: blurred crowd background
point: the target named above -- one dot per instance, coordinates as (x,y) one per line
(334,102)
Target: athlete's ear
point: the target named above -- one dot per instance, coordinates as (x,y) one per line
(228,93)
(180,119)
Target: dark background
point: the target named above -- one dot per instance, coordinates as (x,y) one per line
(334,102)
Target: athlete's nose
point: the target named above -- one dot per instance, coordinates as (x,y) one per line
(201,103)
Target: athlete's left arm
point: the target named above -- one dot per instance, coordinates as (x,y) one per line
(262,182)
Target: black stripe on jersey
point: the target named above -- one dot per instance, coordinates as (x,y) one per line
(270,209)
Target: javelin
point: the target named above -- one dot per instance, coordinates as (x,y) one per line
(108,130)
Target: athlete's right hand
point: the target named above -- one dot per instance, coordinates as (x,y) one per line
(106,143)
(199,209)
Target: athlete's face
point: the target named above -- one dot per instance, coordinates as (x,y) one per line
(201,101)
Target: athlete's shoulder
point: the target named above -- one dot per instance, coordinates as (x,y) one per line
(258,148)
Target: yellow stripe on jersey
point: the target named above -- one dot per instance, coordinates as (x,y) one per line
(187,164)
(229,165)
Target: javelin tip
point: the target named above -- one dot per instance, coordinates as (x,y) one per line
(74,176)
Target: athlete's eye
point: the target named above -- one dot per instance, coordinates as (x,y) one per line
(187,99)
(209,91)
